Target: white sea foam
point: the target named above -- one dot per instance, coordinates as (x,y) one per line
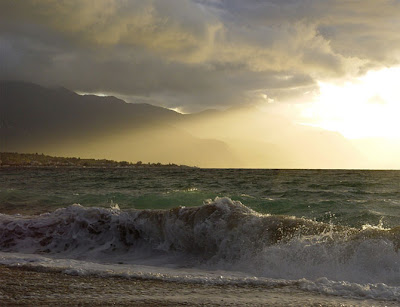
(220,242)
(323,285)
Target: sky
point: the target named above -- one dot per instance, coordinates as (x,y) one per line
(329,64)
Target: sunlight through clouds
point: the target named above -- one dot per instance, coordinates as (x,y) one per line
(367,106)
(262,79)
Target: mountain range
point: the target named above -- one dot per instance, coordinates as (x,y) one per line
(57,121)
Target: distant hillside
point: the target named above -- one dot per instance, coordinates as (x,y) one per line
(37,160)
(59,122)
(30,112)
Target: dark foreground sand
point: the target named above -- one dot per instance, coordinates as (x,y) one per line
(24,287)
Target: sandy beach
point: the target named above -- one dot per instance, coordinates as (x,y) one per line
(24,287)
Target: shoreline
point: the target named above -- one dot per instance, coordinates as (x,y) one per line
(23,286)
(93,167)
(17,160)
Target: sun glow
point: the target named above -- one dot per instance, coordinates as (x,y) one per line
(367,106)
(96,94)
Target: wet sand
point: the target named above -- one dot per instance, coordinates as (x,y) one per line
(24,287)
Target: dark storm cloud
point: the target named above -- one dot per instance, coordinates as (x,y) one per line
(196,54)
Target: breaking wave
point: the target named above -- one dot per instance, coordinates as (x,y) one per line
(221,234)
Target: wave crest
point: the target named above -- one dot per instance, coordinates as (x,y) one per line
(221,233)
(215,228)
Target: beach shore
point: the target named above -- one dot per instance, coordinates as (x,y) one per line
(25,287)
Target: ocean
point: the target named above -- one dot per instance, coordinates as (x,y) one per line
(331,236)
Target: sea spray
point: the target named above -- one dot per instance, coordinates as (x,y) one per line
(221,234)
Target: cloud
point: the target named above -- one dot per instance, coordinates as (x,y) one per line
(172,29)
(196,54)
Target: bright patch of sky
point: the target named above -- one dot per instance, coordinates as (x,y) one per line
(367,106)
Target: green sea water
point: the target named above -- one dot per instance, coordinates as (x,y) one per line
(345,197)
(329,232)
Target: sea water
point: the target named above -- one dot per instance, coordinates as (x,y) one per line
(334,232)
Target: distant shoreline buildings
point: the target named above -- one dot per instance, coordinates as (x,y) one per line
(13,159)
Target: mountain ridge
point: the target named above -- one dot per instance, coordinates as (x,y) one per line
(59,121)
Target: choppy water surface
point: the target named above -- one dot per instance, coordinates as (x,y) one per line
(330,231)
(352,198)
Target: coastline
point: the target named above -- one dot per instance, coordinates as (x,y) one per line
(29,160)
(22,286)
